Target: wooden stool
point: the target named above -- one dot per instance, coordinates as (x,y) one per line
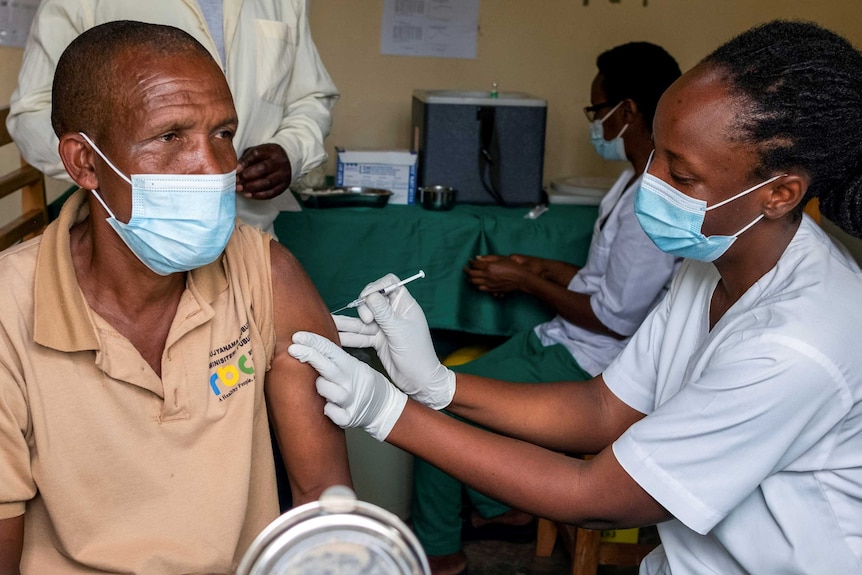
(586,548)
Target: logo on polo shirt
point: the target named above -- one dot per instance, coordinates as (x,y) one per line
(231,366)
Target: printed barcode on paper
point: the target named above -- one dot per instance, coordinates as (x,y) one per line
(409,7)
(404,33)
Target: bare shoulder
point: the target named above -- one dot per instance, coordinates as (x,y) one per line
(297,303)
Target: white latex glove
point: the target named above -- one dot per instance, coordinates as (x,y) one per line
(395,326)
(356,394)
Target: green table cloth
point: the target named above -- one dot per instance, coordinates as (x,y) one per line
(343,249)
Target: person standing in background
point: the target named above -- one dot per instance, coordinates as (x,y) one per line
(281,90)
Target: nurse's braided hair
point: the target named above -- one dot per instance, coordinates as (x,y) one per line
(802,87)
(85,81)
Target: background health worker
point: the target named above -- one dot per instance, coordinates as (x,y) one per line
(281,90)
(598,306)
(733,418)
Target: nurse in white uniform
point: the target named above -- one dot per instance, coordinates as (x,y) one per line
(733,419)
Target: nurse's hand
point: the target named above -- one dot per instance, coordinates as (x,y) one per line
(395,326)
(356,394)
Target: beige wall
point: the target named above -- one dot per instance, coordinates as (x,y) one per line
(545,47)
(10,62)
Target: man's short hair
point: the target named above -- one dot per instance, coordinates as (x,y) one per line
(85,81)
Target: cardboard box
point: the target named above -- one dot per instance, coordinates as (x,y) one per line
(393,170)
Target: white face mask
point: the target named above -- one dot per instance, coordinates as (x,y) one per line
(179,221)
(613,150)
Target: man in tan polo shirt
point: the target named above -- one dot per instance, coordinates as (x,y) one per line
(143,337)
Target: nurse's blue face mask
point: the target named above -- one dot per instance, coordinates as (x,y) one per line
(613,150)
(673,220)
(179,221)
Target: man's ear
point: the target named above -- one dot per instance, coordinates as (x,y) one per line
(79,159)
(785,195)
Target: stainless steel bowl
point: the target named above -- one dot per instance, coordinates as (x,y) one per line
(344,197)
(438,198)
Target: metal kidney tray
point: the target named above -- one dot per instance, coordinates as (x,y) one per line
(343,197)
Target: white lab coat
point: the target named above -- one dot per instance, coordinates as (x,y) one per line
(753,434)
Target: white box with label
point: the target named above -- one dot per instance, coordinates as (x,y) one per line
(393,170)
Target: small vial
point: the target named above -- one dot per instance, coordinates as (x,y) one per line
(494,93)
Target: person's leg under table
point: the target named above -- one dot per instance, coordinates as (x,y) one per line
(437,501)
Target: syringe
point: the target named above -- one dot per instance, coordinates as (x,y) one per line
(388,289)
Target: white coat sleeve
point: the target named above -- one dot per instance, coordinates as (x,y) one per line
(55,25)
(636,274)
(310,97)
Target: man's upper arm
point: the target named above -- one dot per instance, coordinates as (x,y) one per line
(11,544)
(313,447)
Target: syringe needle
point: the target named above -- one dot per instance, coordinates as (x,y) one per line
(388,289)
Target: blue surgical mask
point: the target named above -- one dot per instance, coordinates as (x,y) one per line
(179,221)
(613,150)
(673,220)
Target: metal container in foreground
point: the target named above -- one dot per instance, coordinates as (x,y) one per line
(439,198)
(336,534)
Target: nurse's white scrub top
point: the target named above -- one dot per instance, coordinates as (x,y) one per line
(753,439)
(626,275)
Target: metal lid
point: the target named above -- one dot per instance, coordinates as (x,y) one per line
(336,534)
(579,190)
(479,98)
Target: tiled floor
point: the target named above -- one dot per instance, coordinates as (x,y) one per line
(500,558)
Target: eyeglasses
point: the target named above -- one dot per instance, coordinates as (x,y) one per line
(591,112)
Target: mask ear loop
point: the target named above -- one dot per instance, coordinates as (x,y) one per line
(112,166)
(614,109)
(649,161)
(748,191)
(104,205)
(608,115)
(745,229)
(107,161)
(739,195)
(623,131)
